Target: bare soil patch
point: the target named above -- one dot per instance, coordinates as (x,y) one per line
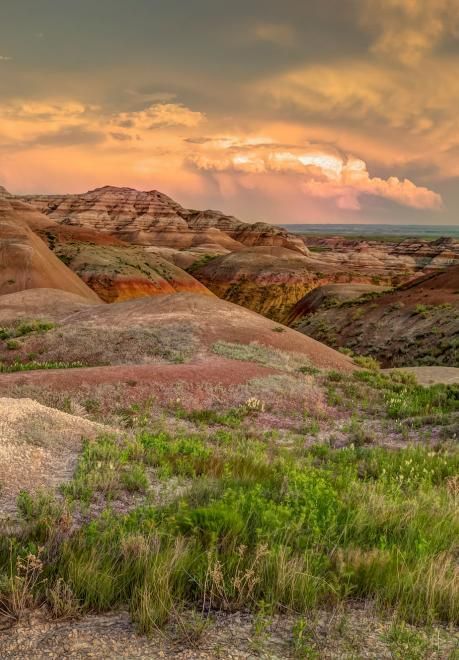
(38,447)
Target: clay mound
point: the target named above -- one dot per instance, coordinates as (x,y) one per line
(122,273)
(206,320)
(330,295)
(25,261)
(414,325)
(268,280)
(38,447)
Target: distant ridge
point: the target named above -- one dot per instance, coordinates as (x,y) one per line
(349,230)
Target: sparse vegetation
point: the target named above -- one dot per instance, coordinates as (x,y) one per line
(34,365)
(293,527)
(255,352)
(254,526)
(25,328)
(367,362)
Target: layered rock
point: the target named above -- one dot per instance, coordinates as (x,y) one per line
(267,280)
(152,218)
(385,258)
(121,273)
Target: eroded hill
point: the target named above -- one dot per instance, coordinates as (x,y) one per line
(416,324)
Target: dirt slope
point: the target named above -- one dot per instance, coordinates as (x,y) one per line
(25,260)
(329,295)
(175,327)
(416,324)
(44,304)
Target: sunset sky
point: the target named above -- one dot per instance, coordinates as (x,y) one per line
(292,111)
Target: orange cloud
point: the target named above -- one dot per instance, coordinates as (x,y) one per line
(160,146)
(322,172)
(408,30)
(159,115)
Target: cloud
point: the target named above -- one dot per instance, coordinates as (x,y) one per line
(121,137)
(44,110)
(321,172)
(408,30)
(67,136)
(391,116)
(277,167)
(5,58)
(159,115)
(275,33)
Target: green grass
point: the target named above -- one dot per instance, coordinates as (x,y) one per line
(254,352)
(25,328)
(393,395)
(257,524)
(35,365)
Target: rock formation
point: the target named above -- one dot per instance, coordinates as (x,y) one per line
(121,273)
(25,260)
(385,258)
(267,280)
(152,218)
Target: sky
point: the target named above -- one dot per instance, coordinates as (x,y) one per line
(290,112)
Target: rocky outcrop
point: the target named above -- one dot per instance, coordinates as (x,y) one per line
(152,218)
(416,324)
(121,273)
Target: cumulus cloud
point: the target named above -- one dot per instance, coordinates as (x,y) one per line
(321,172)
(408,30)
(269,163)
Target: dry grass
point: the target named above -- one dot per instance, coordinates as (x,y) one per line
(100,346)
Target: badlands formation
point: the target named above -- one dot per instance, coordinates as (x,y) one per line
(178,465)
(118,244)
(152,218)
(262,267)
(415,324)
